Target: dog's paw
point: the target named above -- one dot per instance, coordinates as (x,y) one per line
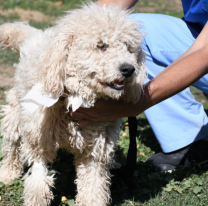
(7,176)
(9,172)
(37,190)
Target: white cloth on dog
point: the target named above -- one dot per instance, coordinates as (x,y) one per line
(76,103)
(35,98)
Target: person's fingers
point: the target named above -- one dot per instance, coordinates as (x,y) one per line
(84,122)
(79,115)
(84,110)
(70,107)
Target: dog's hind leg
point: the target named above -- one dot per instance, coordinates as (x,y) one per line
(93,181)
(37,186)
(11,166)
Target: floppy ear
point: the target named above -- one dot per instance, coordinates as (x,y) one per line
(52,70)
(12,35)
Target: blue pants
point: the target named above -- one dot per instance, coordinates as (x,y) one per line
(179,120)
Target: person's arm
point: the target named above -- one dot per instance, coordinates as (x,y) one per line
(126,4)
(188,68)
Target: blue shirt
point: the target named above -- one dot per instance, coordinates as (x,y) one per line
(195,11)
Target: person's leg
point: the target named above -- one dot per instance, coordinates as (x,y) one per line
(179,120)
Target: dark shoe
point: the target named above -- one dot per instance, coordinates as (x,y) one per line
(193,154)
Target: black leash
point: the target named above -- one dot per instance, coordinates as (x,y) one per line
(126,173)
(132,153)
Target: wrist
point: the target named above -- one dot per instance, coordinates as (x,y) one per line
(143,103)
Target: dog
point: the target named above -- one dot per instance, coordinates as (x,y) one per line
(92,52)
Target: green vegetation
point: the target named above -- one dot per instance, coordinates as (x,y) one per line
(183,187)
(50,7)
(8,57)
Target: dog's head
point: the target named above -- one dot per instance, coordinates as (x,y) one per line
(98,47)
(105,51)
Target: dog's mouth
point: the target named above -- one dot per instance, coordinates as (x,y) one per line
(117,85)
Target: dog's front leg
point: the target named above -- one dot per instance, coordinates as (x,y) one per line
(93,181)
(37,186)
(11,165)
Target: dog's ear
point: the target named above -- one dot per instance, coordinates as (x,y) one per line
(12,35)
(52,70)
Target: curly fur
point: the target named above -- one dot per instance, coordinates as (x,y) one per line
(68,56)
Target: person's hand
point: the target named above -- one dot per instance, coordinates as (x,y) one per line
(104,110)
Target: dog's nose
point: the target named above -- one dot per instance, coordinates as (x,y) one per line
(127,70)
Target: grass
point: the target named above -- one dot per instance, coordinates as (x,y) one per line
(183,187)
(8,57)
(50,7)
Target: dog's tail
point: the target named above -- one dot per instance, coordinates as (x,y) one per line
(12,35)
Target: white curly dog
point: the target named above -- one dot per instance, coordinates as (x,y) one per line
(92,52)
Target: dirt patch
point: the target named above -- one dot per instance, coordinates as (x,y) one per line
(142,6)
(26,15)
(6,76)
(152,6)
(145,9)
(6,80)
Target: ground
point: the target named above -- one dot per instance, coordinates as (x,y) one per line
(183,187)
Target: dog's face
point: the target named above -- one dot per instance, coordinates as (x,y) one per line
(103,50)
(108,62)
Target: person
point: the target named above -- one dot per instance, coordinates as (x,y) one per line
(180,123)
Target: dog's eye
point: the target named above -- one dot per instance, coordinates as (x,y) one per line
(102,46)
(129,47)
(93,74)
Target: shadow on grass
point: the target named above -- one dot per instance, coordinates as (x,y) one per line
(65,176)
(149,183)
(147,136)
